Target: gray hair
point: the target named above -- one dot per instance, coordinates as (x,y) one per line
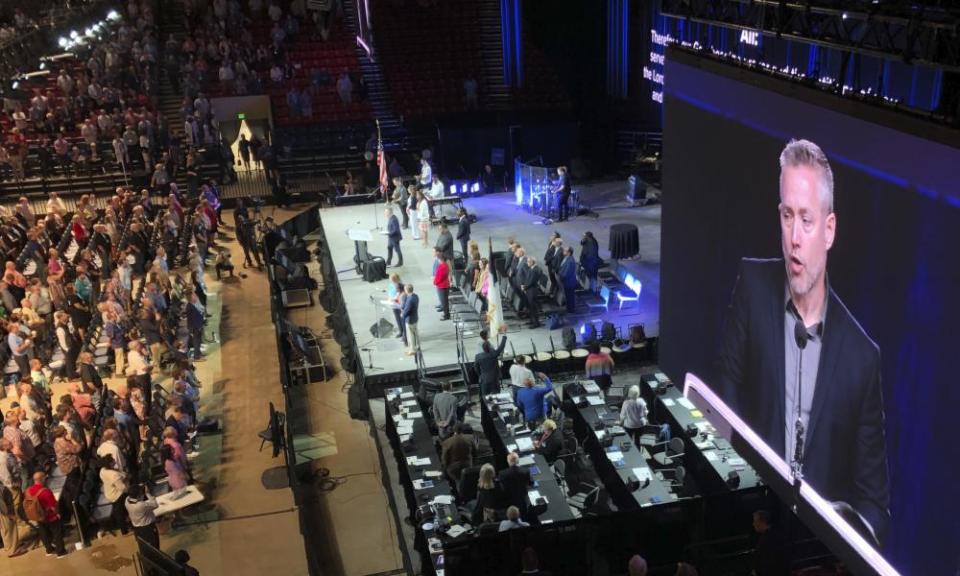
(806,153)
(634,392)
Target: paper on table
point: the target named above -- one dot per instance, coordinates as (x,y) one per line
(705,445)
(668,402)
(615,455)
(443,499)
(696,413)
(524,444)
(535,495)
(511,447)
(407,394)
(409,403)
(422,484)
(686,404)
(431,474)
(406,436)
(642,474)
(526,461)
(711,455)
(456,530)
(601,434)
(595,400)
(590,386)
(737,462)
(415,415)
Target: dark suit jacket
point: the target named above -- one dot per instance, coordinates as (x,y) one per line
(393,230)
(445,245)
(531,281)
(552,447)
(486,363)
(409,312)
(568,272)
(515,482)
(463,229)
(845,449)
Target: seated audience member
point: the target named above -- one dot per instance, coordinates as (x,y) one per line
(770,553)
(530,563)
(513,520)
(550,444)
(637,566)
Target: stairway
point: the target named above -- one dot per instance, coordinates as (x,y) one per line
(495,94)
(378,93)
(396,136)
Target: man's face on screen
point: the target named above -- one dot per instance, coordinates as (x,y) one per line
(807,228)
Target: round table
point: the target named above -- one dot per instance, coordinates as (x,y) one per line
(624,241)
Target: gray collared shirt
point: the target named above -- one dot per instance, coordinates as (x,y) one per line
(810,366)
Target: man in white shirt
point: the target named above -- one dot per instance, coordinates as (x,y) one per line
(110,446)
(519,373)
(513,520)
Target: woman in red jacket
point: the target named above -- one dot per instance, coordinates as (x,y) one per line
(441,279)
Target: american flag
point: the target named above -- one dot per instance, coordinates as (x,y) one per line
(382,163)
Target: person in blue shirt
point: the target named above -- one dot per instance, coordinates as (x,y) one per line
(530,399)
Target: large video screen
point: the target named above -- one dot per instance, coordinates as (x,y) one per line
(872,282)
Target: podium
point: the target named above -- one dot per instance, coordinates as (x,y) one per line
(816,512)
(371,268)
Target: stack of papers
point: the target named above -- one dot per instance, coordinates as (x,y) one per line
(737,462)
(668,402)
(642,474)
(417,461)
(595,400)
(415,415)
(422,484)
(535,495)
(615,455)
(705,445)
(406,436)
(407,394)
(590,386)
(526,461)
(442,499)
(525,444)
(454,531)
(404,428)
(431,474)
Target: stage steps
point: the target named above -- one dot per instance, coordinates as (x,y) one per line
(494,93)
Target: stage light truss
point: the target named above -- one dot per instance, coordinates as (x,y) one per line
(925,33)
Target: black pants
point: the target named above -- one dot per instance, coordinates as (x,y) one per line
(391,246)
(533,307)
(196,338)
(464,242)
(564,206)
(51,534)
(406,217)
(71,485)
(570,298)
(444,301)
(401,326)
(148,534)
(118,515)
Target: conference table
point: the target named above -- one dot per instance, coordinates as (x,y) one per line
(425,486)
(621,463)
(506,435)
(710,458)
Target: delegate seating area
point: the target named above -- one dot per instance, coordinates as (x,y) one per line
(100,314)
(427,53)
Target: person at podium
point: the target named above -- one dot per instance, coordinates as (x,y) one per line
(792,352)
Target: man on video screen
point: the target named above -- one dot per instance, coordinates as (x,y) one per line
(790,347)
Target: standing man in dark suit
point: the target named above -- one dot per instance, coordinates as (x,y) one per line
(445,243)
(530,283)
(463,232)
(393,237)
(515,481)
(794,357)
(410,315)
(568,279)
(488,367)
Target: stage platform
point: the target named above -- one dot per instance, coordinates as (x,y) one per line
(498,218)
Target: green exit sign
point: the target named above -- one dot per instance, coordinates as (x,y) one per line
(241,116)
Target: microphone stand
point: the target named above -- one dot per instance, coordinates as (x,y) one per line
(800,333)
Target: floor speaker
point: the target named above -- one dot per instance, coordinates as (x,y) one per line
(381,329)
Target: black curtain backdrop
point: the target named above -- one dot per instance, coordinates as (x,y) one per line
(894,265)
